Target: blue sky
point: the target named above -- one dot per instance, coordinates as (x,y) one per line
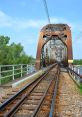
(22,20)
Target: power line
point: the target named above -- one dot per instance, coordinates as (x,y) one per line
(46,9)
(48,17)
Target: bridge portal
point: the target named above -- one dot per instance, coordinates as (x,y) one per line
(55,45)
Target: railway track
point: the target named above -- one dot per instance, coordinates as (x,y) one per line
(8,93)
(36,99)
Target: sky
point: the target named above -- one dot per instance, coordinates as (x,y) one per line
(22,21)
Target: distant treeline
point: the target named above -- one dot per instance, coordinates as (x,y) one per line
(13,53)
(77,62)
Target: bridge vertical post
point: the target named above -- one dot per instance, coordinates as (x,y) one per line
(21,70)
(27,68)
(31,68)
(78,70)
(13,72)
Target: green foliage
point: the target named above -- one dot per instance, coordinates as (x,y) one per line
(81,91)
(77,62)
(4,41)
(13,53)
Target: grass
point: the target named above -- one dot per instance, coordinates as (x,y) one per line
(80,89)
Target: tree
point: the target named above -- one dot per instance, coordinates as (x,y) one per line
(13,53)
(77,62)
(3,49)
(4,40)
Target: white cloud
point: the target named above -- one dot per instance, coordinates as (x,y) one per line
(5,20)
(21,24)
(18,24)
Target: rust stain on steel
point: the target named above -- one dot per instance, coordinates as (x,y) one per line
(66,31)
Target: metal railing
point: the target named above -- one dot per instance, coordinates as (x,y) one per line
(75,68)
(75,75)
(10,72)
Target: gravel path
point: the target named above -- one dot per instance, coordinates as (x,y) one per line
(69,99)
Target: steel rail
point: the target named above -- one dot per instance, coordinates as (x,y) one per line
(54,95)
(36,110)
(10,99)
(13,109)
(18,93)
(56,80)
(19,103)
